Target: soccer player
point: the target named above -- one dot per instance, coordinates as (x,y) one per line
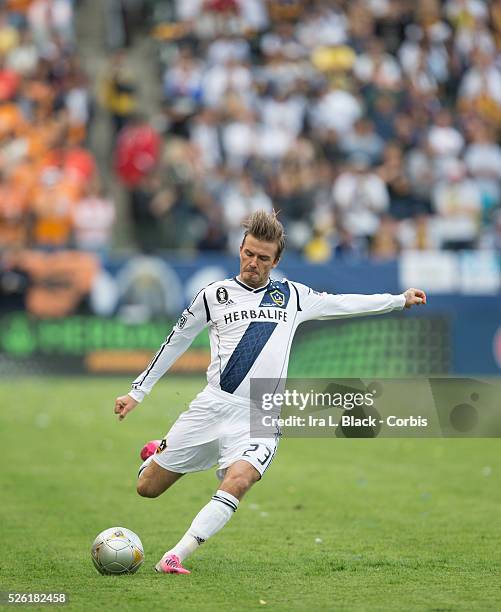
(251,320)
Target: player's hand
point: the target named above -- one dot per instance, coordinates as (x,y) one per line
(123,405)
(414,296)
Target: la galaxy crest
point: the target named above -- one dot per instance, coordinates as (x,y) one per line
(278,297)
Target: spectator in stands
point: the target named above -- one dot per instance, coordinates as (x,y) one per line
(363,140)
(383,111)
(483,162)
(444,139)
(457,202)
(404,202)
(150,204)
(50,20)
(385,243)
(266,103)
(377,68)
(233,75)
(45,109)
(211,232)
(361,197)
(184,78)
(242,197)
(118,90)
(239,137)
(9,35)
(13,214)
(205,133)
(337,109)
(93,219)
(53,203)
(480,87)
(24,57)
(137,151)
(349,247)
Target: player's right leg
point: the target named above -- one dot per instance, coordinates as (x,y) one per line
(153,480)
(171,460)
(190,446)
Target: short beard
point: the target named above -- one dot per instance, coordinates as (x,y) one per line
(253,281)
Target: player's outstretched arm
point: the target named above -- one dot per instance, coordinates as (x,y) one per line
(324,306)
(123,405)
(414,297)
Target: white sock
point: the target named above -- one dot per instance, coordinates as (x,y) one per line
(207,522)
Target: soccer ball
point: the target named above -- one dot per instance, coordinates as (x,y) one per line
(117,551)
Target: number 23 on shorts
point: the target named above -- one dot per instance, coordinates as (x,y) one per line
(260,452)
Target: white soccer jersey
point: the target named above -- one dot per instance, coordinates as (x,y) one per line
(251,330)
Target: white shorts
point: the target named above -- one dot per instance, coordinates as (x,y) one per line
(214,431)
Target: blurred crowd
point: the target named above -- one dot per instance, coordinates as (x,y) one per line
(51,196)
(372,126)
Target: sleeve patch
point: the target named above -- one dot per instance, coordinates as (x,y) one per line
(181,322)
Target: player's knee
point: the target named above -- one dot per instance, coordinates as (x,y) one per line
(146,488)
(237,484)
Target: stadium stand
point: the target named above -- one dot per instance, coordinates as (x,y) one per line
(46,167)
(372,126)
(359,121)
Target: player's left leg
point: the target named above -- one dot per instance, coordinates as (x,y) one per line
(238,479)
(242,462)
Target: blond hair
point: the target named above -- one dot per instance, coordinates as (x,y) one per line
(265,226)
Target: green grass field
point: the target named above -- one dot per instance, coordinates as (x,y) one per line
(334,525)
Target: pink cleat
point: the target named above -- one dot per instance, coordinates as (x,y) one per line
(170,564)
(150,448)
